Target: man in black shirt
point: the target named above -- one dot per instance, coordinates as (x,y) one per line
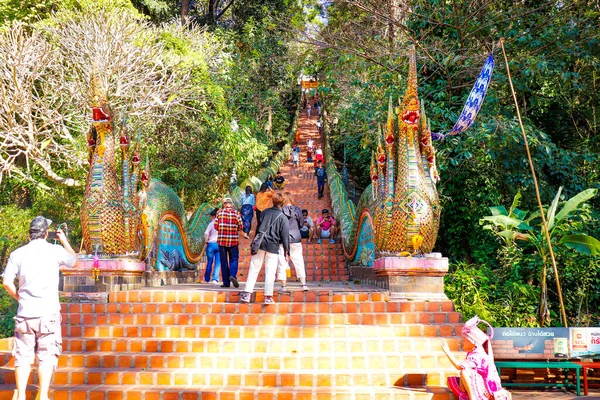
(279,181)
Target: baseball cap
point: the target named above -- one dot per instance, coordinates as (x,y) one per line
(39,224)
(325,211)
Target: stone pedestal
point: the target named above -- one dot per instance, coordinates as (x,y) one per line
(411,278)
(115,274)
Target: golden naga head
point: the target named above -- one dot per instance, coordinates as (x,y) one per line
(389,132)
(374,175)
(410,110)
(380,151)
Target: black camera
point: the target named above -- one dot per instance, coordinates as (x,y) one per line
(52,235)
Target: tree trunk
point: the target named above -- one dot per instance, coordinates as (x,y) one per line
(185,12)
(211,12)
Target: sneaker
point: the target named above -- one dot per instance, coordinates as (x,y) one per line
(283,289)
(305,288)
(244,297)
(215,282)
(269,300)
(234,281)
(332,241)
(224,286)
(319,241)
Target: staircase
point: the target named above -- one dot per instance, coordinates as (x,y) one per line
(324,262)
(340,340)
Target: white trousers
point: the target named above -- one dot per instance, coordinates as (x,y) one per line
(270,260)
(295,257)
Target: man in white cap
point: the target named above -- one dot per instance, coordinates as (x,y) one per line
(37,324)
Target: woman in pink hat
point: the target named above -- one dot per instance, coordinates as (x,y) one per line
(479,379)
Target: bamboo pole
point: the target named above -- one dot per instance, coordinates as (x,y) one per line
(537,190)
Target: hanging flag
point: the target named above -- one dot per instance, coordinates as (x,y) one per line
(474,101)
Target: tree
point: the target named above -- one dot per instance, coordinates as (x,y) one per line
(36,112)
(45,86)
(514,225)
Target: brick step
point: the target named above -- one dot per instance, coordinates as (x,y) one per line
(318,265)
(273,377)
(217,302)
(310,278)
(391,345)
(315,268)
(207,296)
(262,331)
(325,249)
(319,275)
(278,318)
(409,361)
(199,296)
(147,392)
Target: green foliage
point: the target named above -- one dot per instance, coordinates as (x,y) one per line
(29,10)
(13,234)
(8,309)
(13,231)
(500,300)
(553,54)
(242,75)
(515,225)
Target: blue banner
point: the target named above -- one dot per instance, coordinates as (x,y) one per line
(474,101)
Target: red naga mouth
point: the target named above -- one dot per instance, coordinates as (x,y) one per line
(374,177)
(389,139)
(411,117)
(98,115)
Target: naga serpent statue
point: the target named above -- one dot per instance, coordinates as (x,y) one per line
(406,192)
(136,217)
(399,213)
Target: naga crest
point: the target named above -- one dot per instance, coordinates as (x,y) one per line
(110,209)
(404,178)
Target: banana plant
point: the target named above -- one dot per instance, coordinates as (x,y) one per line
(514,224)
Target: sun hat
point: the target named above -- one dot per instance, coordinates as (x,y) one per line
(473,334)
(227,200)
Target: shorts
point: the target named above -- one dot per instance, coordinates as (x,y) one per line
(325,233)
(304,234)
(39,336)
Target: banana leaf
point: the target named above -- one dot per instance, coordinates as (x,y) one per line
(552,209)
(574,203)
(506,222)
(582,243)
